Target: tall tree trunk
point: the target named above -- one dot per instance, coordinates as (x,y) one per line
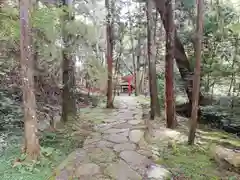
(68,99)
(151,61)
(137,80)
(137,86)
(31,142)
(179,54)
(154,71)
(109,56)
(196,82)
(233,79)
(117,67)
(133,49)
(169,60)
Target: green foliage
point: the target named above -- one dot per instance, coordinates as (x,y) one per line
(10,111)
(189,162)
(189,4)
(10,27)
(54,148)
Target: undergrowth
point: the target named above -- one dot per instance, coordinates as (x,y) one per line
(191,163)
(54,148)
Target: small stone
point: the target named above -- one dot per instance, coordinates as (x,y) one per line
(135,135)
(124,147)
(115,138)
(88,170)
(158,172)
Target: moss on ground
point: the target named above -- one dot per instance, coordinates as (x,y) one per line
(143,100)
(192,163)
(220,137)
(54,148)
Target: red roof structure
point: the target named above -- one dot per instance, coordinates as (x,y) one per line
(128,78)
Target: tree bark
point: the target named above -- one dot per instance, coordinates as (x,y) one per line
(169,73)
(179,54)
(133,50)
(109,56)
(137,86)
(151,61)
(68,99)
(31,142)
(196,82)
(138,78)
(154,71)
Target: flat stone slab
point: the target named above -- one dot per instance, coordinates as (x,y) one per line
(126,133)
(89,169)
(79,155)
(102,155)
(115,131)
(145,152)
(121,171)
(124,147)
(104,144)
(116,150)
(136,135)
(136,161)
(116,138)
(135,122)
(104,127)
(92,139)
(123,126)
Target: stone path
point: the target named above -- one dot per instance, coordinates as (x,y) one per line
(116,151)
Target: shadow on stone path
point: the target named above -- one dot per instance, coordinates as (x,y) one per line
(116,151)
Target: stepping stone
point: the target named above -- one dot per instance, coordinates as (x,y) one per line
(136,135)
(121,171)
(104,127)
(115,131)
(116,138)
(102,155)
(89,146)
(136,161)
(123,126)
(89,169)
(124,133)
(124,147)
(145,152)
(77,156)
(92,139)
(134,122)
(103,144)
(99,177)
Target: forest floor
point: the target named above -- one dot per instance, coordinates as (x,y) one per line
(120,144)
